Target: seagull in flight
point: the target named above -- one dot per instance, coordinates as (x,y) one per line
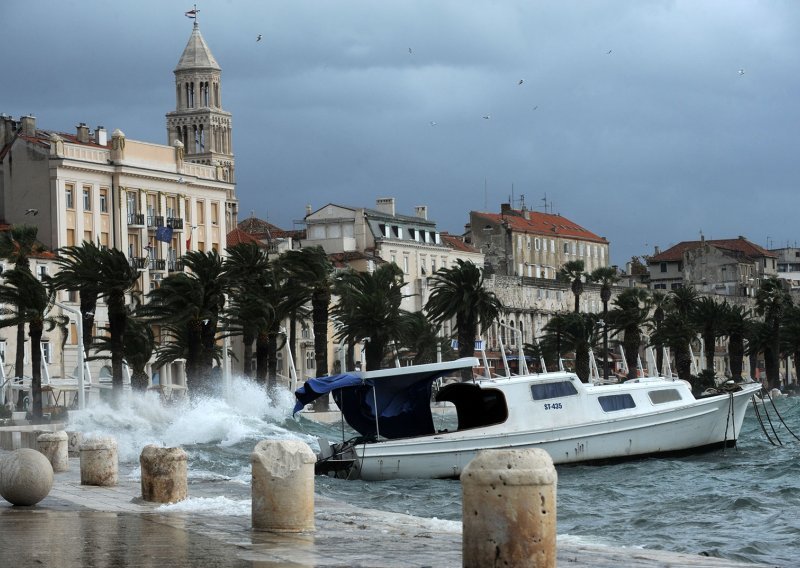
(741,72)
(487,116)
(33,212)
(258,38)
(521,81)
(433,123)
(409,51)
(608,52)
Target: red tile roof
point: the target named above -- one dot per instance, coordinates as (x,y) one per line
(539,224)
(237,237)
(740,245)
(457,243)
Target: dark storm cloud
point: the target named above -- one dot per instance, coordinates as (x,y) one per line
(646,145)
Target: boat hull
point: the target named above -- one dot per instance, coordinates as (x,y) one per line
(706,424)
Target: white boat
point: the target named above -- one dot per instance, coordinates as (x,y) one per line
(573,421)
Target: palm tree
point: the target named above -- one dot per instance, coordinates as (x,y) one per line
(248,310)
(790,336)
(606,276)
(629,317)
(78,272)
(677,330)
(188,307)
(458,292)
(573,273)
(578,332)
(117,279)
(658,301)
(311,270)
(30,302)
(708,316)
(771,303)
(421,338)
(17,245)
(734,324)
(369,309)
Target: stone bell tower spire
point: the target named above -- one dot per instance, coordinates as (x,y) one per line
(198,121)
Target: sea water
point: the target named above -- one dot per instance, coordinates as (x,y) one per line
(741,503)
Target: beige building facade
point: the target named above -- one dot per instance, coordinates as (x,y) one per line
(152,201)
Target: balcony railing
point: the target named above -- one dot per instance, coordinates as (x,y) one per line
(158,264)
(175,222)
(175,266)
(138,262)
(155,221)
(136,219)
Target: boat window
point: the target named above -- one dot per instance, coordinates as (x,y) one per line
(553,390)
(616,402)
(665,395)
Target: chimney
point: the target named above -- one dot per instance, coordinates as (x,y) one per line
(101,136)
(308,209)
(505,208)
(6,129)
(385,205)
(658,250)
(83,133)
(421,211)
(28,125)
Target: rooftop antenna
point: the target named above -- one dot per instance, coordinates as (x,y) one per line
(545,202)
(522,201)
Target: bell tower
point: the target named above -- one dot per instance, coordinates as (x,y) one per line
(198,121)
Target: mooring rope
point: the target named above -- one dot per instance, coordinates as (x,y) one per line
(771,425)
(760,421)
(728,421)
(782,420)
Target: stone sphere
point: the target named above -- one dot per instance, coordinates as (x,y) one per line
(26,477)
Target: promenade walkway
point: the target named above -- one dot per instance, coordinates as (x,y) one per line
(92,527)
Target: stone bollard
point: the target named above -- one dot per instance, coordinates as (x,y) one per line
(54,447)
(26,477)
(74,441)
(30,438)
(283,486)
(164,477)
(99,462)
(509,509)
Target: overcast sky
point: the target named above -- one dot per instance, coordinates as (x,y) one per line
(646,122)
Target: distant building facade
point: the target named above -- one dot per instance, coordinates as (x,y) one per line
(727,267)
(533,244)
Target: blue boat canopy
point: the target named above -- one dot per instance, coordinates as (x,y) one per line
(402,396)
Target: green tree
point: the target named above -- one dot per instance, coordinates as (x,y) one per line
(606,276)
(29,302)
(708,316)
(459,292)
(772,300)
(677,331)
(188,308)
(78,269)
(573,273)
(17,245)
(369,309)
(628,319)
(577,332)
(658,302)
(790,336)
(421,339)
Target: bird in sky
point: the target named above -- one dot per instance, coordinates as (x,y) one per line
(33,212)
(409,51)
(608,52)
(521,81)
(741,71)
(258,38)
(433,123)
(537,106)
(487,116)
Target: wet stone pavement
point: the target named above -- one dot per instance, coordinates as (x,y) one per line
(93,527)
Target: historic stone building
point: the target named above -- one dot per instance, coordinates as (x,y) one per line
(152,201)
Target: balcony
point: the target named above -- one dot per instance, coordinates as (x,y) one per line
(138,262)
(158,264)
(176,223)
(175,266)
(155,221)
(136,219)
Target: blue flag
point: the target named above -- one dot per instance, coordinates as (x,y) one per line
(164,234)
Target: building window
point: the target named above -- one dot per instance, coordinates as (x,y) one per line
(405,264)
(42,271)
(310,360)
(537,243)
(103,200)
(131,197)
(201,213)
(433,265)
(2,351)
(69,196)
(46,352)
(566,248)
(663,267)
(87,198)
(215,213)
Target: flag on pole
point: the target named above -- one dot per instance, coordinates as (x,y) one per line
(192,13)
(164,234)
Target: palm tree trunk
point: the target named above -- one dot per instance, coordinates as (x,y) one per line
(683,361)
(117,320)
(605,340)
(247,364)
(19,362)
(709,345)
(36,329)
(272,360)
(319,315)
(582,362)
(632,341)
(262,340)
(736,354)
